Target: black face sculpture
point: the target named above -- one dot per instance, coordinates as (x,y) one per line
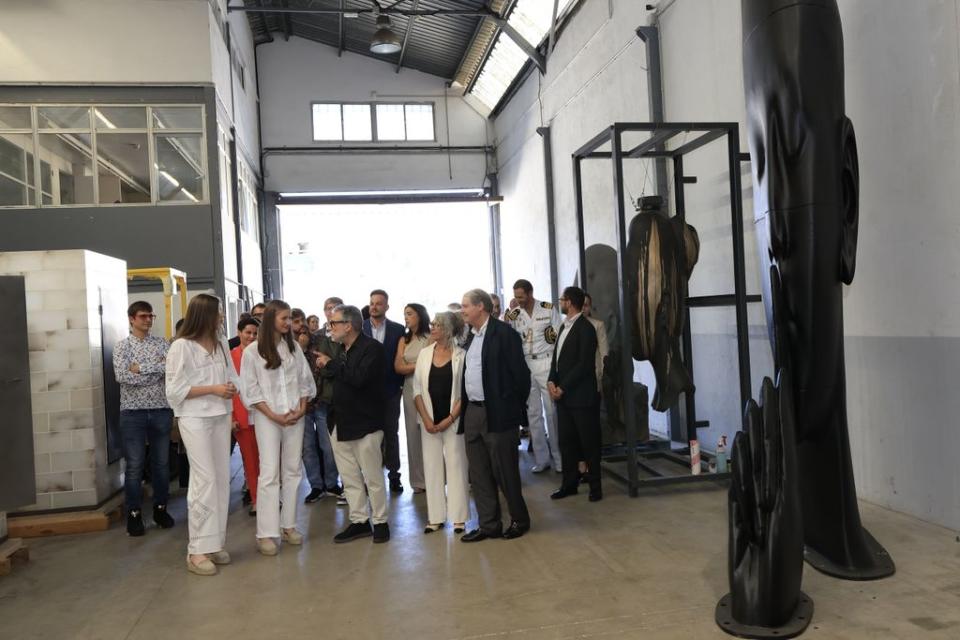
(805,175)
(661,252)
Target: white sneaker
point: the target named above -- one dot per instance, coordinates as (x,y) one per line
(540,468)
(267,546)
(291,536)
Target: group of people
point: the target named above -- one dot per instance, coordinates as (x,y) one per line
(297,395)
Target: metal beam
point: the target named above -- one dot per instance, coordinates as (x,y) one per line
(656,140)
(287,25)
(411,21)
(651,38)
(521,42)
(551,215)
(388,11)
(340,31)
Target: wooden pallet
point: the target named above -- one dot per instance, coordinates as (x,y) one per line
(58,524)
(13,550)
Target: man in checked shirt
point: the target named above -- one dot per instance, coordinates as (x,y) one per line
(139,362)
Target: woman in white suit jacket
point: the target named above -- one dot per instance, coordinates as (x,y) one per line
(436,389)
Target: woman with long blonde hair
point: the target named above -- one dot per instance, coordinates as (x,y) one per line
(200,385)
(277,384)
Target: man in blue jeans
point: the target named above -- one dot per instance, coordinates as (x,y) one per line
(139,362)
(318,461)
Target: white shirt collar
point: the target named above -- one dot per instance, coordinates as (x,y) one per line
(482,330)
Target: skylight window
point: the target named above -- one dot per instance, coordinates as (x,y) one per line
(530,18)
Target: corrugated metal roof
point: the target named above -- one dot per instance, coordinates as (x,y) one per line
(436,44)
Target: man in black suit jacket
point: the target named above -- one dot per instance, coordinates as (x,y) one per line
(388,333)
(573,386)
(496,382)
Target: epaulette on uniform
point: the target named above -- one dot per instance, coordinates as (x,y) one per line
(514,314)
(546,305)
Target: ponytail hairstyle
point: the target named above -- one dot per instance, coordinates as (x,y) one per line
(268,337)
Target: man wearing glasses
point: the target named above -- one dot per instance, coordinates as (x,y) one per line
(139,363)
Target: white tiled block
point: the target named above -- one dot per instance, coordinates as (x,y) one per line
(20,261)
(72,300)
(34,301)
(79,359)
(68,339)
(73,499)
(37,341)
(69,380)
(51,442)
(84,480)
(47,401)
(53,280)
(49,361)
(72,461)
(73,420)
(50,482)
(86,398)
(78,319)
(38,382)
(46,321)
(76,280)
(66,260)
(41,463)
(41,422)
(83,440)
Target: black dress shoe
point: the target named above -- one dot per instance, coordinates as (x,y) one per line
(596,496)
(381,533)
(562,493)
(515,530)
(477,535)
(396,486)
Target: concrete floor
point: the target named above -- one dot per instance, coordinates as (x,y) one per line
(651,567)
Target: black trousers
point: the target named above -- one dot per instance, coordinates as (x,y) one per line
(579,440)
(391,436)
(494,462)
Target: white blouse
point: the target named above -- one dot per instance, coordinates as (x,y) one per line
(421,380)
(281,388)
(190,365)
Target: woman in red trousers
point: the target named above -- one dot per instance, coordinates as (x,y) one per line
(242,429)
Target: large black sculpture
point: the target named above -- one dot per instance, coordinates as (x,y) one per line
(806,204)
(664,251)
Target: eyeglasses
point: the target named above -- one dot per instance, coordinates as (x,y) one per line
(339,322)
(146,316)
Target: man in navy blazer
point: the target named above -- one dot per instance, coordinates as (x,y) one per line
(388,333)
(496,383)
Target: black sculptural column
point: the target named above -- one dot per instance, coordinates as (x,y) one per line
(806,206)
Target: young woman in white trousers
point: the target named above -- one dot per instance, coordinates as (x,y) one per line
(200,385)
(440,365)
(276,383)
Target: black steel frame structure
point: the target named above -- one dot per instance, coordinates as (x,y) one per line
(698,134)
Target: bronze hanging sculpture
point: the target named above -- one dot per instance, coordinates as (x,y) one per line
(664,250)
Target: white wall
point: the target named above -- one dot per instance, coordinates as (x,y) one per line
(295,73)
(105,41)
(901,313)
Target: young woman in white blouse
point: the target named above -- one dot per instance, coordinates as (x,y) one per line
(276,383)
(436,390)
(200,385)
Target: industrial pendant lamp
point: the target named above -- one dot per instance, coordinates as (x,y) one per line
(385,41)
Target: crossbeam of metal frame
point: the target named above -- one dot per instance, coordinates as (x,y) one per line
(406,35)
(651,148)
(521,42)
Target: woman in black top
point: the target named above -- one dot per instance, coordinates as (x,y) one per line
(437,397)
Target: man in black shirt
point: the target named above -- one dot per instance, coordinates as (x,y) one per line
(356,423)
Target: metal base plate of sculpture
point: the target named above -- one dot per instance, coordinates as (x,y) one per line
(803,155)
(664,251)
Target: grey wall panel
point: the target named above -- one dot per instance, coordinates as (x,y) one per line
(148,236)
(17,480)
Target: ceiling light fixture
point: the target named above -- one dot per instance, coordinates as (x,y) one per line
(385,41)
